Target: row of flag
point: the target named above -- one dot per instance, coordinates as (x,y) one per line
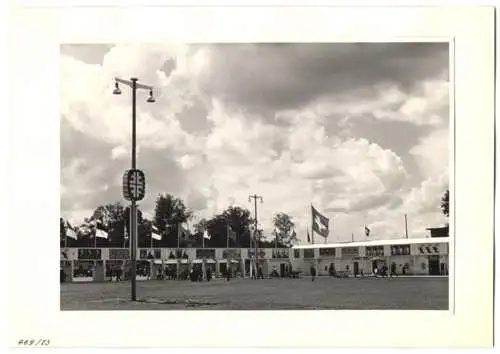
(320,226)
(87,229)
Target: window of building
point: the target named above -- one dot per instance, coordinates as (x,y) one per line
(296,253)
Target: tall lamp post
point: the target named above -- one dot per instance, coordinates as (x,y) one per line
(132,83)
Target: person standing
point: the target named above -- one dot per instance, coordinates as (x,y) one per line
(313,273)
(393,269)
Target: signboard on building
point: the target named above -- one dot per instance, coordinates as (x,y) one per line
(177,253)
(89,254)
(400,250)
(374,251)
(281,253)
(231,253)
(350,251)
(428,249)
(327,252)
(69,254)
(251,253)
(308,253)
(151,253)
(208,253)
(119,253)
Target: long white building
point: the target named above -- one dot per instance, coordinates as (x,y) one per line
(427,256)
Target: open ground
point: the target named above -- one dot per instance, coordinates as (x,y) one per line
(405,293)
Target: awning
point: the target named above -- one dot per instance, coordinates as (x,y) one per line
(235,261)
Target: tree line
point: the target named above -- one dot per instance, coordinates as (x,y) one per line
(172,220)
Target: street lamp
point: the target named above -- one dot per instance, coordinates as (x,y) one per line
(133,207)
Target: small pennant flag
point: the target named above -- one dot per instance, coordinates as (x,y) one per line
(206,235)
(308,237)
(101,233)
(367,231)
(155,233)
(70,232)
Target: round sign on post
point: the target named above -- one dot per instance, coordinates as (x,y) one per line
(134,185)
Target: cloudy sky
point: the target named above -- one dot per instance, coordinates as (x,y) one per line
(359,130)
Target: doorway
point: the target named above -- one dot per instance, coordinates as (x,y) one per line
(356,268)
(282,269)
(434,266)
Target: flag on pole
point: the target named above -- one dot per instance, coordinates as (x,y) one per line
(230,234)
(84,229)
(320,223)
(367,231)
(182,232)
(101,233)
(70,231)
(206,235)
(125,234)
(155,233)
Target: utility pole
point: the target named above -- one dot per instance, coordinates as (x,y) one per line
(255,197)
(133,205)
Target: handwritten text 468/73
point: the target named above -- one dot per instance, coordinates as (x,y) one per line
(42,342)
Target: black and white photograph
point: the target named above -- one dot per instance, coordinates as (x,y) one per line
(257,176)
(250,177)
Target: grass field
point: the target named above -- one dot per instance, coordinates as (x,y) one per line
(267,294)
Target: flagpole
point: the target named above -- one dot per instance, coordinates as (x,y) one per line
(178,234)
(406,226)
(312,226)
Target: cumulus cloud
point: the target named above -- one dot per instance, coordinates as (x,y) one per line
(283,121)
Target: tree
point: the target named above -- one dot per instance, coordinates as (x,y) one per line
(238,219)
(62,231)
(284,229)
(445,203)
(170,212)
(111,218)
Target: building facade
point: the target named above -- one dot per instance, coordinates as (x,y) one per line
(410,256)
